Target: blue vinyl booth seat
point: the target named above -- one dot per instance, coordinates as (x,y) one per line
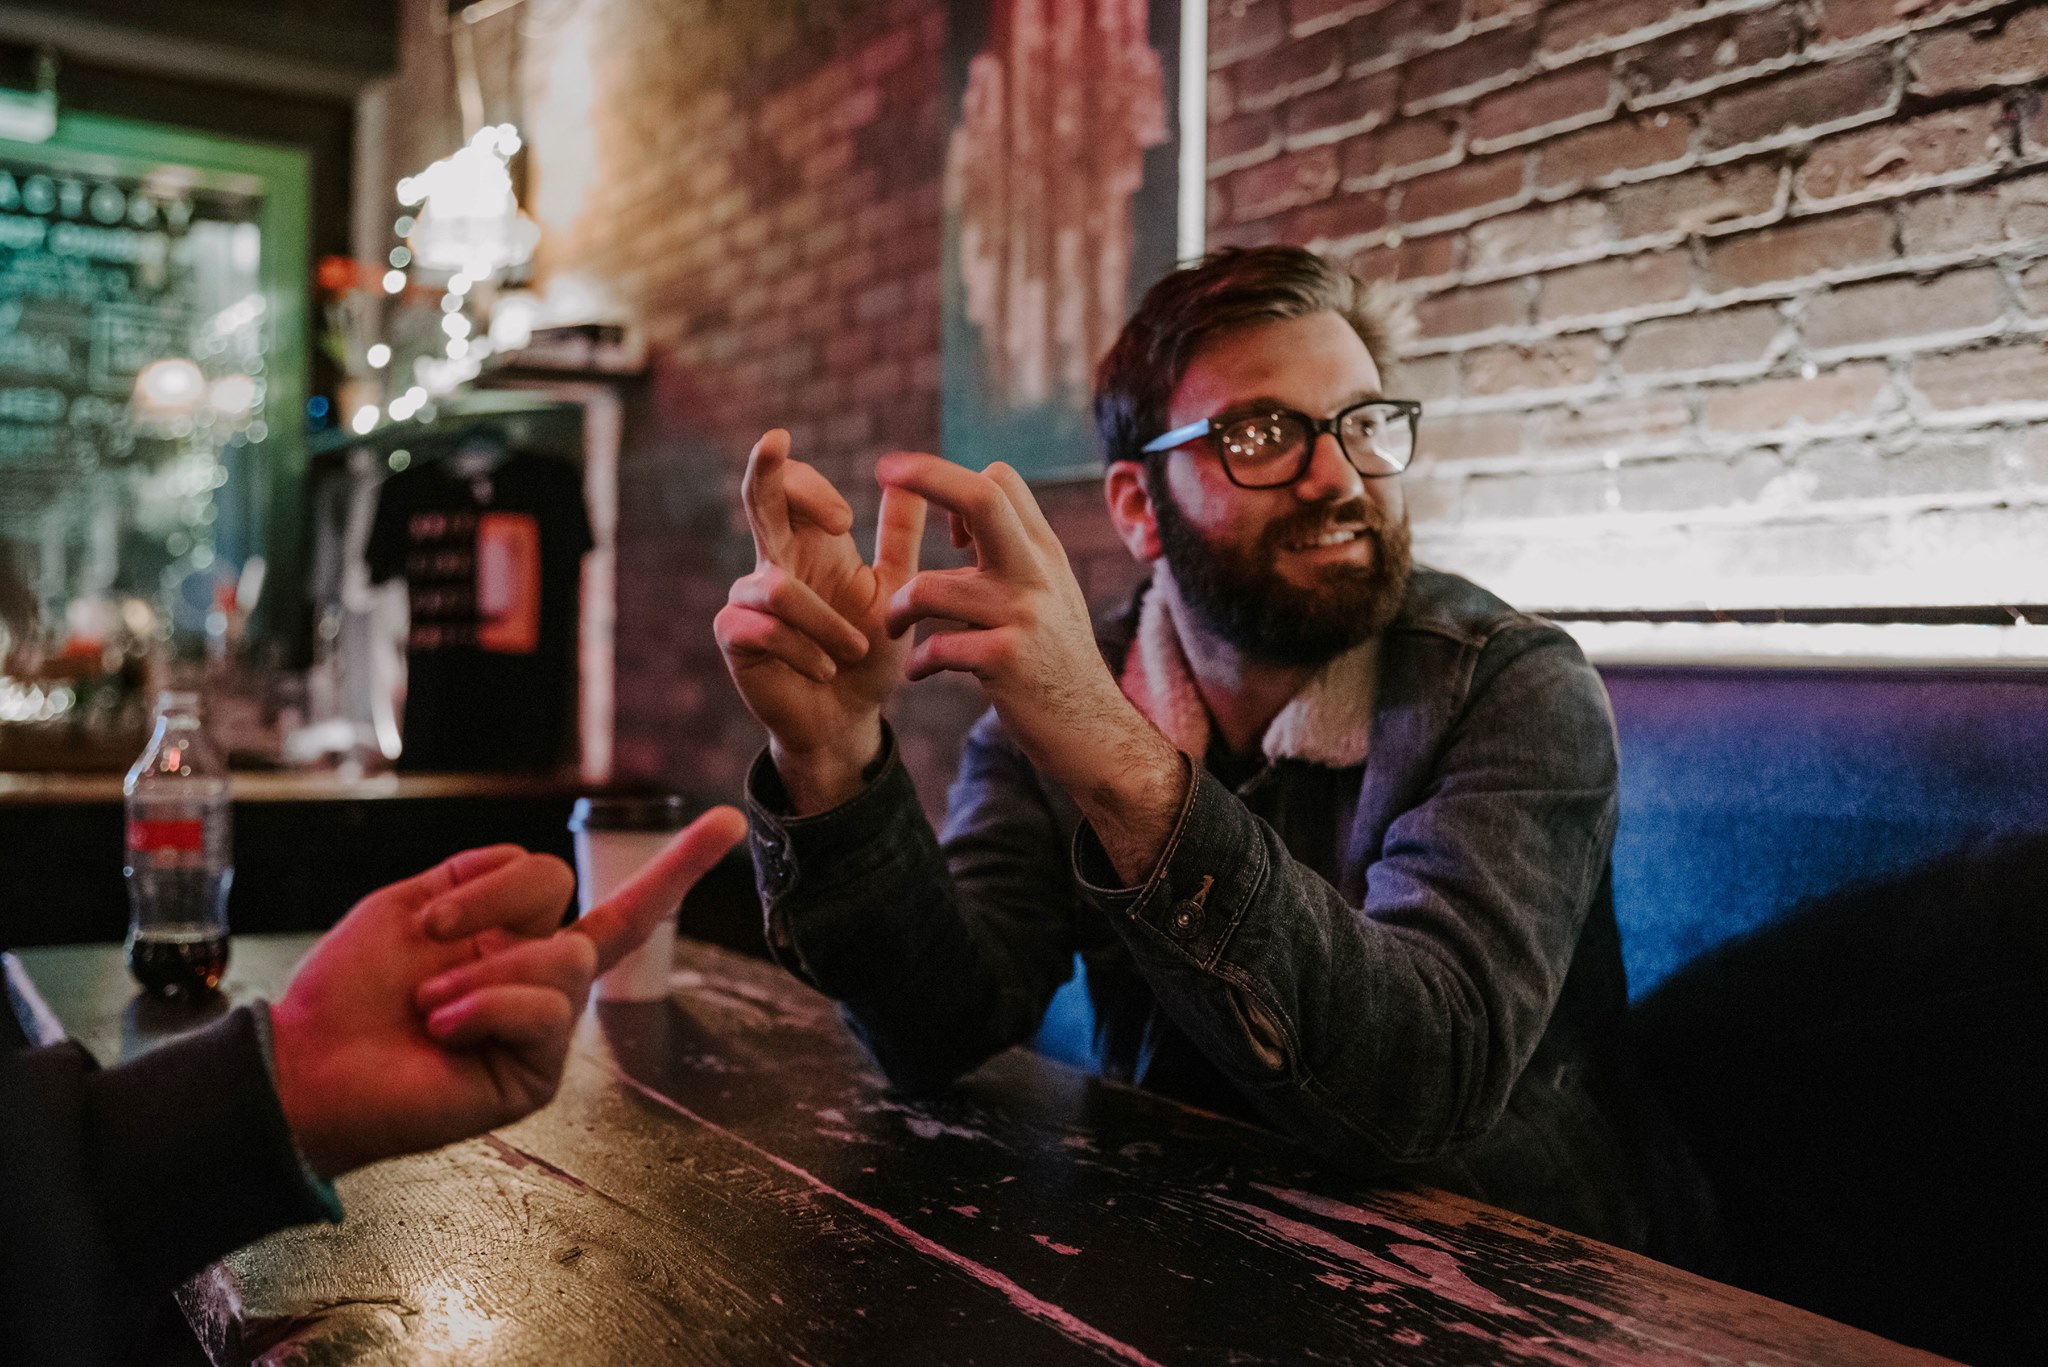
(1832,889)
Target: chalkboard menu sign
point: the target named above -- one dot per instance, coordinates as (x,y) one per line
(99,277)
(152,370)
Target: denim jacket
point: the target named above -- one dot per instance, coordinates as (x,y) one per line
(1409,962)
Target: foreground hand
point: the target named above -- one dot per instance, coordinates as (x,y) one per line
(616,926)
(362,1075)
(1027,637)
(803,635)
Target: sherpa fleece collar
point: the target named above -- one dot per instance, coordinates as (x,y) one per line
(1329,722)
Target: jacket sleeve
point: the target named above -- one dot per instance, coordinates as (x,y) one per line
(1392,1033)
(116,1184)
(941,953)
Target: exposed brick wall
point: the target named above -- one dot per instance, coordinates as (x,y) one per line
(1718,302)
(1716,299)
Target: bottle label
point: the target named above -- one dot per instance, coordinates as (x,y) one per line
(152,835)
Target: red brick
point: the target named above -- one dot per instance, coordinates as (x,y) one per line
(1976,57)
(1833,396)
(1518,241)
(1710,201)
(1552,103)
(1284,183)
(1469,437)
(1700,341)
(1349,107)
(1644,420)
(1222,100)
(1888,310)
(1581,23)
(1951,221)
(1399,28)
(1498,11)
(1416,258)
(1560,363)
(1240,28)
(1813,96)
(2034,289)
(1433,379)
(1808,247)
(1306,16)
(1899,156)
(1482,308)
(1246,139)
(1336,220)
(1401,150)
(1466,69)
(2034,124)
(1709,54)
(1988,375)
(1706,482)
(1597,155)
(1575,493)
(1838,20)
(1616,285)
(1462,190)
(1281,74)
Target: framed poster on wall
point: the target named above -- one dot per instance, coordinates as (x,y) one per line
(1063,204)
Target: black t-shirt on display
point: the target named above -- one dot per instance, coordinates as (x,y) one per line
(492,568)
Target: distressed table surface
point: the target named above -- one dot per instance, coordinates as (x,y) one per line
(725,1179)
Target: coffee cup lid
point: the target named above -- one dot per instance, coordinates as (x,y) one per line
(669,812)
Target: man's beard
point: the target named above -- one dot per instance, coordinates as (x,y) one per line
(1238,594)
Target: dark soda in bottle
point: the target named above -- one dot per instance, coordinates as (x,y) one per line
(180,862)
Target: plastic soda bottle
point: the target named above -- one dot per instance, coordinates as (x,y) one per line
(180,855)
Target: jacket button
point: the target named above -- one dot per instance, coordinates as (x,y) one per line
(1186,922)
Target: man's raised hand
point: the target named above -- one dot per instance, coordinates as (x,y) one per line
(803,635)
(1024,633)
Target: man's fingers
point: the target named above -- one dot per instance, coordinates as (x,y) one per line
(748,637)
(761,490)
(564,962)
(812,498)
(969,652)
(899,535)
(415,892)
(533,1022)
(1025,504)
(771,591)
(525,895)
(624,920)
(1000,541)
(965,595)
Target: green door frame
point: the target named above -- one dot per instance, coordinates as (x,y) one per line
(97,143)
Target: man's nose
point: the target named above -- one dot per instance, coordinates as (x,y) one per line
(1330,476)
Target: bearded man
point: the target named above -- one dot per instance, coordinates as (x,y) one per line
(1329,833)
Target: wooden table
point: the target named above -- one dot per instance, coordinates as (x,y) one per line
(725,1179)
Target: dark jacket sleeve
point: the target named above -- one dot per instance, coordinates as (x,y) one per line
(1392,1033)
(116,1184)
(940,957)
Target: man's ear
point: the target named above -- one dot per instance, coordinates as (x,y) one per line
(1129,496)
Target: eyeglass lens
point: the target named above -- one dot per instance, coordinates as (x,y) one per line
(1268,449)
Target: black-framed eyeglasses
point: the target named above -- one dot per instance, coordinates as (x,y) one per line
(1270,449)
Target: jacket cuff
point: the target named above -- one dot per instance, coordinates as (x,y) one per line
(1212,868)
(199,1155)
(322,1189)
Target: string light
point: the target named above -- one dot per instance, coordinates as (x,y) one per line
(394,281)
(378,356)
(365,419)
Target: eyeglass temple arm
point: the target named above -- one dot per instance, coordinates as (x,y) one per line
(1168,440)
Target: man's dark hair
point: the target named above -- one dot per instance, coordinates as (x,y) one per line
(1235,288)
